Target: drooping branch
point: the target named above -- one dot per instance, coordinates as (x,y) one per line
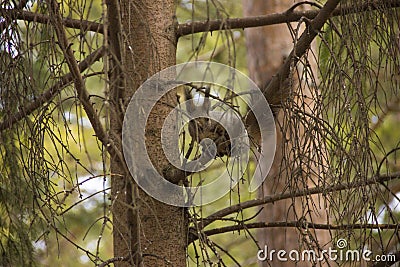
(271,19)
(83,25)
(305,192)
(50,93)
(83,95)
(277,90)
(294,224)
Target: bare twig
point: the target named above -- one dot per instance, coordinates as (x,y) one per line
(306,192)
(49,94)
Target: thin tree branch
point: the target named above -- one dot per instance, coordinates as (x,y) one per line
(277,91)
(45,19)
(49,94)
(392,106)
(4,24)
(292,224)
(271,19)
(212,25)
(305,192)
(114,35)
(83,94)
(113,260)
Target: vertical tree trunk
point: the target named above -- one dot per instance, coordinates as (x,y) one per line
(146,232)
(267,49)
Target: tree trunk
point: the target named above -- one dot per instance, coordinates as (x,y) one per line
(267,49)
(146,232)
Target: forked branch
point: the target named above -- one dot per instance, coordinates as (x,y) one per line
(82,93)
(276,18)
(277,91)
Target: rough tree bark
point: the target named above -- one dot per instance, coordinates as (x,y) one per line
(146,232)
(267,49)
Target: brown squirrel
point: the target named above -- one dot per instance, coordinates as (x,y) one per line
(202,127)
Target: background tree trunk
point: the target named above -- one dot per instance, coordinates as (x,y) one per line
(142,225)
(267,49)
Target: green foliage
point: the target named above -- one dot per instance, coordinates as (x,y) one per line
(358,61)
(18,217)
